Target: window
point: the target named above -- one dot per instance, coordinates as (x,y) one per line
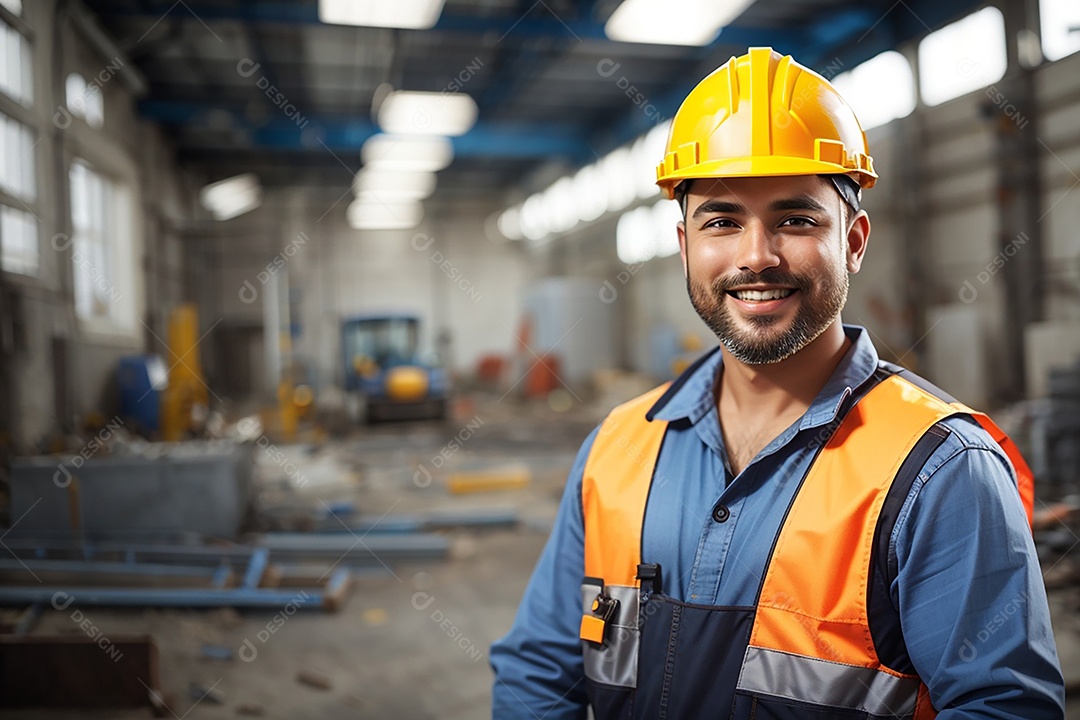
(18,241)
(1060,20)
(16,159)
(962,57)
(880,89)
(84,101)
(100,247)
(16,77)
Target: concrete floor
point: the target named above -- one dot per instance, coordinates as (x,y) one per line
(411,643)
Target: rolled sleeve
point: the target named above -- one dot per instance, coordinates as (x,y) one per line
(539,671)
(969,589)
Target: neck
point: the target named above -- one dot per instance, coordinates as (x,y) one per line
(792,384)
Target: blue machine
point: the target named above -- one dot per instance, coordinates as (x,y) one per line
(383,365)
(141,380)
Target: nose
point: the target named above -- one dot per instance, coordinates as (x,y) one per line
(756,251)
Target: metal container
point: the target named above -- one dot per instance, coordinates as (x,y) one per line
(197,487)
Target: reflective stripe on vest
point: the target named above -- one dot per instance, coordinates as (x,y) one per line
(811,640)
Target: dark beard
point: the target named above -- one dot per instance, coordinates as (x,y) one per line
(820,305)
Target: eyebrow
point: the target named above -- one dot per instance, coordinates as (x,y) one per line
(799,202)
(718,206)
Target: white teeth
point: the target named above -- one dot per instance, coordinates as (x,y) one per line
(759,295)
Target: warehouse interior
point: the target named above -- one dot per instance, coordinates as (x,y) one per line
(306,307)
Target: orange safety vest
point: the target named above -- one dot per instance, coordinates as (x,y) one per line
(806,649)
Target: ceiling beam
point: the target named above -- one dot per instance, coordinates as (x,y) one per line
(538,22)
(316,134)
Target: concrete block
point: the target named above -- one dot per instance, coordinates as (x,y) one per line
(203,488)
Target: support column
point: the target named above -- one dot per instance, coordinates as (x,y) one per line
(1011,103)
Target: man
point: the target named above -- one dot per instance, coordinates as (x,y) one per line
(792,529)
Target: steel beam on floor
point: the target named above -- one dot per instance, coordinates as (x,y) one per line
(208,572)
(351,547)
(424,522)
(328,597)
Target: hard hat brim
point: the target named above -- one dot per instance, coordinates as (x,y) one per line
(768,166)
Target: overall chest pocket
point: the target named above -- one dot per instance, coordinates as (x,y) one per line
(689,660)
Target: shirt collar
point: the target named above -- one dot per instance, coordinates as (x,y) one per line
(693,398)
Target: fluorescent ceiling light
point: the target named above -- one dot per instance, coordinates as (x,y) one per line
(231,197)
(365,214)
(510,223)
(411,14)
(393,185)
(675,22)
(407,152)
(427,113)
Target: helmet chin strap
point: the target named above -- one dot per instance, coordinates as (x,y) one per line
(848,188)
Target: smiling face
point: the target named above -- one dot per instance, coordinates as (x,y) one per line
(767,261)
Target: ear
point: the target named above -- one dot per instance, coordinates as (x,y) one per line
(681,227)
(858,236)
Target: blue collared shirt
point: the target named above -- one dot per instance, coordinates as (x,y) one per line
(968,588)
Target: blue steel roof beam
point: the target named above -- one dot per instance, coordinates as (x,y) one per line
(292,14)
(583,28)
(486,139)
(892,27)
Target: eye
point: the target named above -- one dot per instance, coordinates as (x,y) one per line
(798,221)
(720,222)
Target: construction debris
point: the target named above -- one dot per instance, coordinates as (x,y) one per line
(200,693)
(249,710)
(319,682)
(216,652)
(508,478)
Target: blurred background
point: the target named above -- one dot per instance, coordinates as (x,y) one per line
(306,305)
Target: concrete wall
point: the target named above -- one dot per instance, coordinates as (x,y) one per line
(137,157)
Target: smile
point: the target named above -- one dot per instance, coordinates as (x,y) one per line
(761,295)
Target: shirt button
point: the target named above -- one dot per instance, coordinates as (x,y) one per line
(720,513)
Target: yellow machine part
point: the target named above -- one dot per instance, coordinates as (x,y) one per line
(187,388)
(406,383)
(365,366)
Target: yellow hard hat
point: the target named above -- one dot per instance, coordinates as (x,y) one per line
(763,114)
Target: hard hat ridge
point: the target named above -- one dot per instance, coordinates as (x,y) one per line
(764,114)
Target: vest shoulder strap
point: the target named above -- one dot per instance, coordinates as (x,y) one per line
(623,458)
(1025,478)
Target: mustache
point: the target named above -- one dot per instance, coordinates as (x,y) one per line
(768,277)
